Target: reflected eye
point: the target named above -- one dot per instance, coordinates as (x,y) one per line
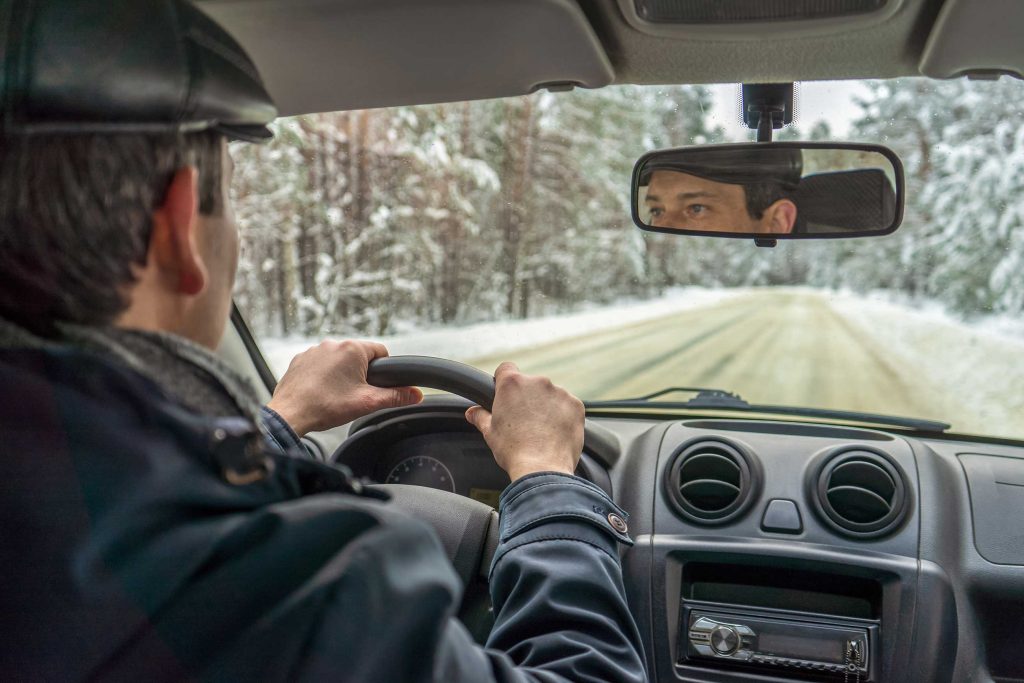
(697,209)
(656,211)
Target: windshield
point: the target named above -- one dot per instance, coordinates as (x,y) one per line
(500,230)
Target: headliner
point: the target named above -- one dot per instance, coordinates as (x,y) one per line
(332,55)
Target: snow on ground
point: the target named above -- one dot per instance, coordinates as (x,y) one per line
(978,368)
(483,339)
(997,325)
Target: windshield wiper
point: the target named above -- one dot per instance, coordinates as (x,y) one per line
(718,399)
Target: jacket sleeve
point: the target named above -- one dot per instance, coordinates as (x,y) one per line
(556,587)
(282,437)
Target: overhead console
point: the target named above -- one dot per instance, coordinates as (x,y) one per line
(716,20)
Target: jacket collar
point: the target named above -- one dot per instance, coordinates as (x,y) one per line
(189,373)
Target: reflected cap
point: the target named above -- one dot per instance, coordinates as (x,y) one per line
(125,66)
(736,166)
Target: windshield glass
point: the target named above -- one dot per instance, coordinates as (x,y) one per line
(500,230)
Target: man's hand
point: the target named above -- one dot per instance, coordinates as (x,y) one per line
(534,426)
(325,387)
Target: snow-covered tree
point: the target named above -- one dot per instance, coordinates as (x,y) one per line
(369,222)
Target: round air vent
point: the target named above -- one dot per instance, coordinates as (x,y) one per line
(711,481)
(861,493)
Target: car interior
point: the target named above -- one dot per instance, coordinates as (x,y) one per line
(770,545)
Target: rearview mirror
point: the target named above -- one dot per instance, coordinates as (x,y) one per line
(770,190)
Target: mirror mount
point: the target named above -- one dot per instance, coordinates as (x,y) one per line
(765,125)
(766,242)
(767,106)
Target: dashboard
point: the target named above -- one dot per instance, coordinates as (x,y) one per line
(458,462)
(432,445)
(781,551)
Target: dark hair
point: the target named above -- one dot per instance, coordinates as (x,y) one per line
(75,218)
(762,195)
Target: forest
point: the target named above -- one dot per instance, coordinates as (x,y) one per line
(380,221)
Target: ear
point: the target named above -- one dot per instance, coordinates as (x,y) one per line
(780,217)
(173,244)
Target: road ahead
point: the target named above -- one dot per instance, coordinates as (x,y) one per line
(774,347)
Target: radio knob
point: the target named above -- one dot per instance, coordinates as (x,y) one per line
(725,640)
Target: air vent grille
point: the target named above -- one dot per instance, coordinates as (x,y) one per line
(749,11)
(711,482)
(861,493)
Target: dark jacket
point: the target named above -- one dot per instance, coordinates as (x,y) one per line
(126,553)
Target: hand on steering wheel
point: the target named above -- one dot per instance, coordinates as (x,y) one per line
(535,426)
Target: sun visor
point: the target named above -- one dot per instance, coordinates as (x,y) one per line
(317,55)
(975,37)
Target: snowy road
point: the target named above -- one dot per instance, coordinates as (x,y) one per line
(795,346)
(789,347)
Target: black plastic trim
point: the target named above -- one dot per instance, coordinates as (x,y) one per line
(693,414)
(260,363)
(599,441)
(361,449)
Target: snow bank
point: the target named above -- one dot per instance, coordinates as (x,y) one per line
(483,339)
(1012,328)
(977,370)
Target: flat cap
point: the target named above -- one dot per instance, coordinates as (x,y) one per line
(109,66)
(739,164)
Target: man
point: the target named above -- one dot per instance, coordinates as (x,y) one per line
(683,201)
(157,523)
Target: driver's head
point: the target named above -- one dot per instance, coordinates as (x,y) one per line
(114,204)
(133,229)
(682,201)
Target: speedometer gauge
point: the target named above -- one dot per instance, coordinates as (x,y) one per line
(422,470)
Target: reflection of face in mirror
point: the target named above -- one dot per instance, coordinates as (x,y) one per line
(687,202)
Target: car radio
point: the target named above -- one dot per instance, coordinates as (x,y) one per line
(780,643)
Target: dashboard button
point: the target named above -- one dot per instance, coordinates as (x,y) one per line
(725,640)
(704,625)
(782,516)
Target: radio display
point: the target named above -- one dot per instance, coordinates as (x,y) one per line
(804,646)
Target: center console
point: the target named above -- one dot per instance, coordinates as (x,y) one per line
(782,552)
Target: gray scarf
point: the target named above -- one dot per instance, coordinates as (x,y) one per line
(188,372)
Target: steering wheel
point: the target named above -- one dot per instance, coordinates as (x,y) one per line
(468,529)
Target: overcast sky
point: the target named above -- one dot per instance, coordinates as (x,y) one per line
(829,100)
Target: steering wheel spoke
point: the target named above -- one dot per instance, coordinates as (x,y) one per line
(468,529)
